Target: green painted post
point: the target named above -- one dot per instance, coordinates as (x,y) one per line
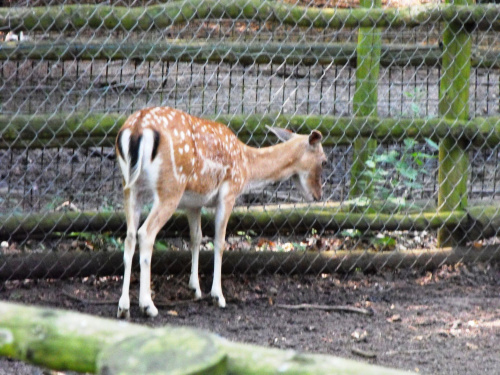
(454,105)
(365,99)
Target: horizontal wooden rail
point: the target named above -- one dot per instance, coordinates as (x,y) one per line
(237,53)
(71,17)
(298,220)
(64,265)
(99,129)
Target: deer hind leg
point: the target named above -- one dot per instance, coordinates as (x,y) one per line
(132,213)
(160,213)
(194,219)
(224,208)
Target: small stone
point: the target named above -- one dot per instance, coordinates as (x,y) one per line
(471,346)
(359,336)
(394,318)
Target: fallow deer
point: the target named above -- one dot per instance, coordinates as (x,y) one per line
(190,163)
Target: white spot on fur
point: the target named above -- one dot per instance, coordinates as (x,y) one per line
(186,148)
(172,158)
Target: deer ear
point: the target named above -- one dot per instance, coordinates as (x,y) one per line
(315,137)
(283,134)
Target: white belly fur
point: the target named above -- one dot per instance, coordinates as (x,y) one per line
(194,200)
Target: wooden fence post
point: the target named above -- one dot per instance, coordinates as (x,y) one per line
(365,99)
(454,105)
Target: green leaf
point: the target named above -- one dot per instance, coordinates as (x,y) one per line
(161,246)
(353,233)
(413,185)
(384,242)
(415,108)
(398,201)
(370,163)
(359,202)
(411,174)
(409,142)
(432,144)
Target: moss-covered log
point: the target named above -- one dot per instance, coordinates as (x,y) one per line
(58,130)
(202,52)
(268,222)
(72,341)
(86,130)
(64,265)
(238,53)
(71,17)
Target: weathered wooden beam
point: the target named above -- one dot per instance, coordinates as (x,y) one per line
(87,130)
(454,105)
(57,129)
(265,222)
(198,52)
(64,265)
(237,53)
(72,17)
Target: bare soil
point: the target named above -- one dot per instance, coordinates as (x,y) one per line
(444,322)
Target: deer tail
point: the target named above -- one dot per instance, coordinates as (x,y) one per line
(135,149)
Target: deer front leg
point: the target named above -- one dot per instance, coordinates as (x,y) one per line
(223,212)
(133,215)
(194,220)
(159,215)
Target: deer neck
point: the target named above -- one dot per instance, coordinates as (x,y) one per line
(274,163)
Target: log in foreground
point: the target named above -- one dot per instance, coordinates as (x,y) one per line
(63,340)
(56,265)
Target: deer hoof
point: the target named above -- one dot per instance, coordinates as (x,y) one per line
(149,310)
(219,301)
(123,313)
(197,294)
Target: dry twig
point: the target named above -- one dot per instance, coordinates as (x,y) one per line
(363,353)
(348,309)
(88,301)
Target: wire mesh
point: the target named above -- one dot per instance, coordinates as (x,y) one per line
(216,66)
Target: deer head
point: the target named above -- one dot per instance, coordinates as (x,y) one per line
(310,163)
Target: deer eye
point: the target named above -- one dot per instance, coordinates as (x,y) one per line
(323,163)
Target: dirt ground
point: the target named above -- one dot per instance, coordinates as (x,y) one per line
(444,322)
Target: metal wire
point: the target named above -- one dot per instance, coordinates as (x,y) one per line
(95,70)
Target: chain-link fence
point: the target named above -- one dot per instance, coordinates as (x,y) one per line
(407,99)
